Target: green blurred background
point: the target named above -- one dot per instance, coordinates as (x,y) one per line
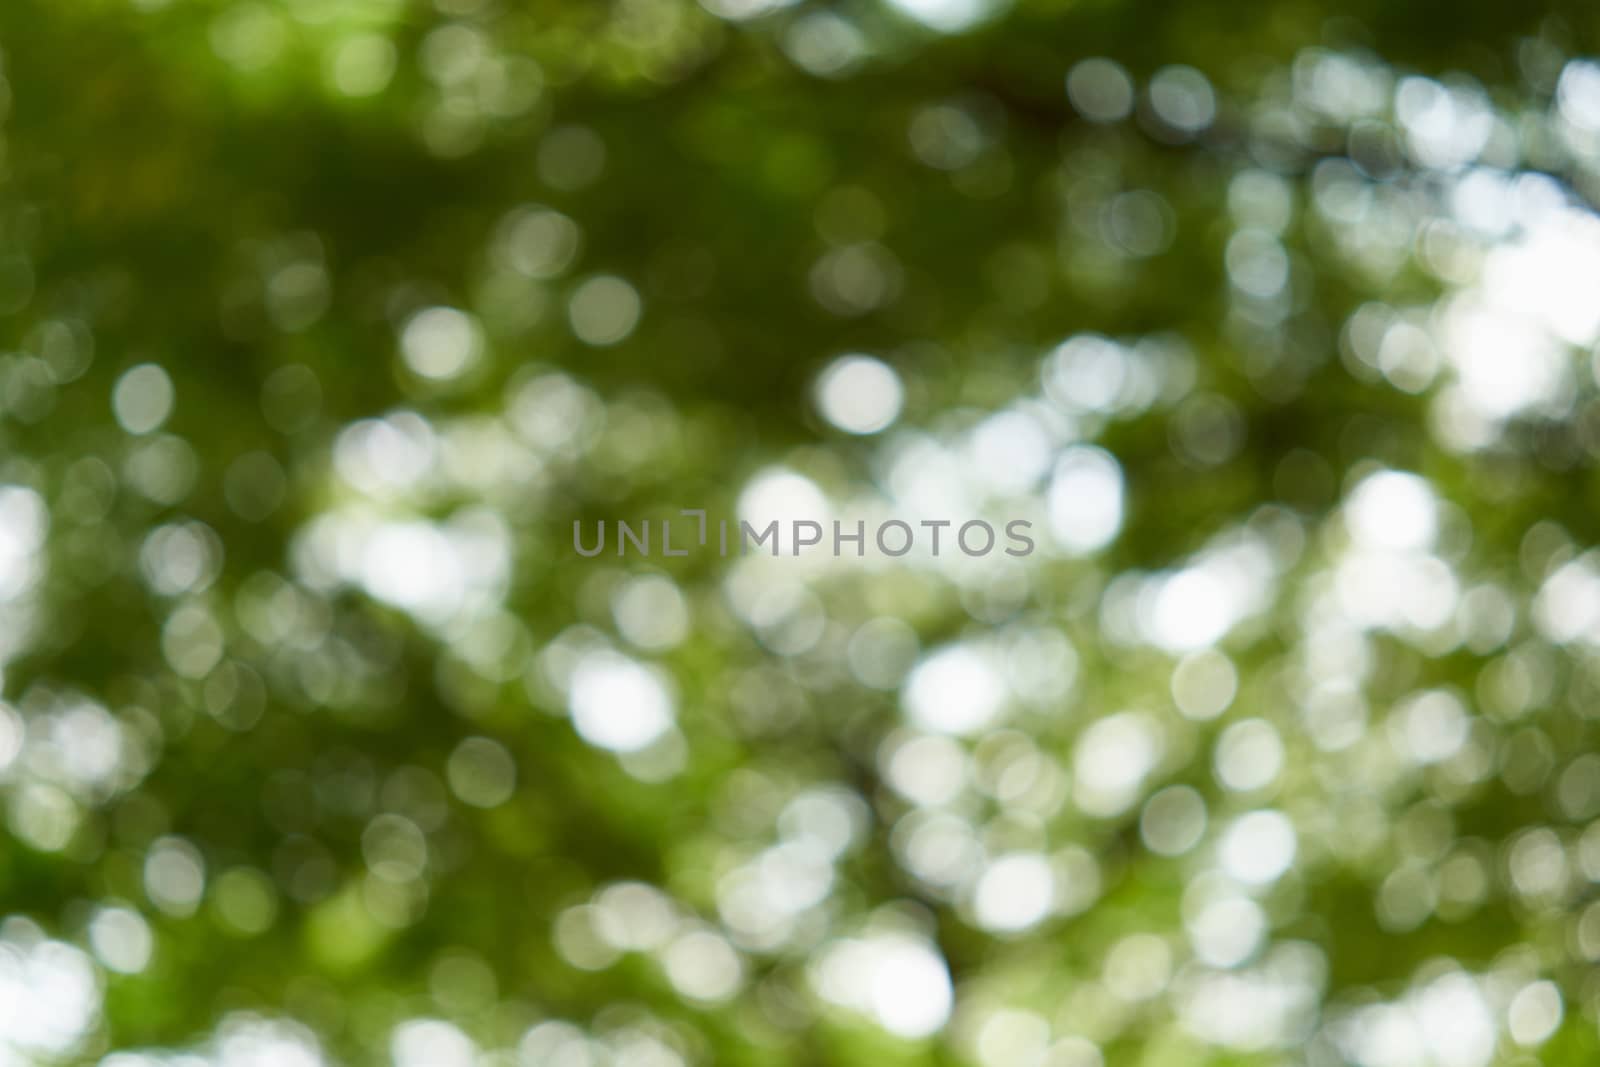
(322,322)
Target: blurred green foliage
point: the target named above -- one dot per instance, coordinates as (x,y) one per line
(322,322)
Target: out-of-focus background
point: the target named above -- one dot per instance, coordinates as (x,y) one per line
(321,322)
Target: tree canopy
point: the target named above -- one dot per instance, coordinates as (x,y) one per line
(329,331)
